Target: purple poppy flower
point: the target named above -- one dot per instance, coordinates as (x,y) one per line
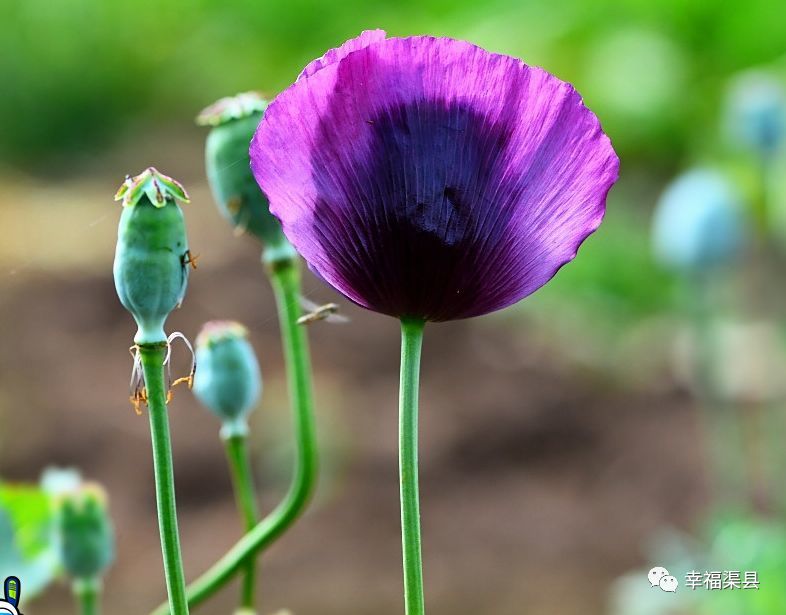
(428,178)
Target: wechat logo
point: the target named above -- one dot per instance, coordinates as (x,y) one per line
(9,601)
(660,577)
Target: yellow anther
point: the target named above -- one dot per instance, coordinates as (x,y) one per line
(187,379)
(190,259)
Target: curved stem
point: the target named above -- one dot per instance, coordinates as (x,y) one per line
(245,496)
(285,278)
(152,356)
(87,593)
(411,343)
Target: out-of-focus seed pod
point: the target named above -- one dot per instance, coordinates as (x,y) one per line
(756,112)
(152,259)
(58,480)
(233,121)
(85,533)
(698,223)
(228,380)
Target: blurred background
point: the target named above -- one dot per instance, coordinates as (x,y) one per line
(627,415)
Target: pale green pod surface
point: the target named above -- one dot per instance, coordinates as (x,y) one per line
(152,260)
(228,380)
(236,192)
(86,537)
(756,111)
(698,224)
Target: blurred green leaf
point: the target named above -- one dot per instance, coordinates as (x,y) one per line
(731,542)
(80,75)
(27,547)
(29,512)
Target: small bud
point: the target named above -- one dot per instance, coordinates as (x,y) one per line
(228,381)
(698,223)
(86,536)
(56,481)
(756,112)
(152,258)
(236,192)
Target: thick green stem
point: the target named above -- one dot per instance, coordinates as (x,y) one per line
(411,343)
(285,278)
(152,356)
(87,594)
(245,496)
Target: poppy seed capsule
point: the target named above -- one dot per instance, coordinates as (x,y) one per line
(152,258)
(698,224)
(756,112)
(228,381)
(86,536)
(239,198)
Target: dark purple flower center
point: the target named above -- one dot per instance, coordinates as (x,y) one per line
(428,179)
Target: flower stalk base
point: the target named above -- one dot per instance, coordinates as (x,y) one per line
(411,344)
(152,357)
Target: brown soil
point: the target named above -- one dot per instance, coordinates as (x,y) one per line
(540,482)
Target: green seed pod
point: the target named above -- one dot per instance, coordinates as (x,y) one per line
(239,198)
(85,533)
(228,381)
(152,258)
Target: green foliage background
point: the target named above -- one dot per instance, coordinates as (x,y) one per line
(78,75)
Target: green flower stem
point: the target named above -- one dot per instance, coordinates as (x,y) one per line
(245,495)
(285,278)
(87,594)
(722,419)
(411,343)
(719,414)
(152,356)
(762,202)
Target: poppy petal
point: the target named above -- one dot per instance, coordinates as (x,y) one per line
(427,177)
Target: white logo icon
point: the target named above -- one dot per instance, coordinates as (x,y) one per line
(660,577)
(669,583)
